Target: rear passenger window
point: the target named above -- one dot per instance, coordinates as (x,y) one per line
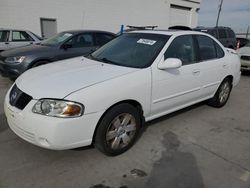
(21,36)
(4,36)
(207,48)
(222,34)
(182,48)
(219,51)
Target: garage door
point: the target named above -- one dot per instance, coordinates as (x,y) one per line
(180,15)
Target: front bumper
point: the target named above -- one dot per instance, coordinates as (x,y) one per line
(245,65)
(11,70)
(50,132)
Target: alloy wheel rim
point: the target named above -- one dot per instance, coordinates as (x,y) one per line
(121,131)
(224,92)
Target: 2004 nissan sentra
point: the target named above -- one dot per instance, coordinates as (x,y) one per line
(105,98)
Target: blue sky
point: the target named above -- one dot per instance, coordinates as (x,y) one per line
(235,14)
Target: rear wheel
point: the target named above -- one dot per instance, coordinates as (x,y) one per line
(118,130)
(222,95)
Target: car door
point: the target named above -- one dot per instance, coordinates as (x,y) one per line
(20,38)
(78,45)
(176,88)
(4,39)
(212,66)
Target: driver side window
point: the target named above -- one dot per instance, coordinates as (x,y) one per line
(81,41)
(182,47)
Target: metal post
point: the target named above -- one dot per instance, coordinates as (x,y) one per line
(247,32)
(218,17)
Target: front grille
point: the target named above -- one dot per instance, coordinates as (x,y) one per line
(18,98)
(245,58)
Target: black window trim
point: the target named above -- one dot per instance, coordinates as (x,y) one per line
(214,42)
(195,47)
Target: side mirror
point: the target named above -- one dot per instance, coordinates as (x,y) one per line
(66,46)
(170,63)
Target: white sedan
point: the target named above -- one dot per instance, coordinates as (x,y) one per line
(105,98)
(10,38)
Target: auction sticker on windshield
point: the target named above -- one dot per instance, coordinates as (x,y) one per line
(146,41)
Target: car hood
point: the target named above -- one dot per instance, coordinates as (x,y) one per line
(58,80)
(25,50)
(244,51)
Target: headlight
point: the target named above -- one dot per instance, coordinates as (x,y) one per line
(58,108)
(18,59)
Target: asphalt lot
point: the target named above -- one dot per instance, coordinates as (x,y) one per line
(196,147)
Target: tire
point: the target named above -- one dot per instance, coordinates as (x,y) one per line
(118,130)
(222,94)
(39,63)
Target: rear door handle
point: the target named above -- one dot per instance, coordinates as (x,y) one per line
(196,72)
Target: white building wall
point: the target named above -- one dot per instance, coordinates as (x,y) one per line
(91,14)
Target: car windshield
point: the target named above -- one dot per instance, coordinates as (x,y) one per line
(248,44)
(57,39)
(137,50)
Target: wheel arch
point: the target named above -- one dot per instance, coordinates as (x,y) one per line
(38,60)
(132,102)
(230,77)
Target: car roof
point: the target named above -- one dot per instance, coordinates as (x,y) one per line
(4,29)
(211,28)
(86,31)
(168,32)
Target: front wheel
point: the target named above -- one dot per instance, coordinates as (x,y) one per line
(118,130)
(222,94)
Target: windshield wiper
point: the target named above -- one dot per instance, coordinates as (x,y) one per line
(104,60)
(90,56)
